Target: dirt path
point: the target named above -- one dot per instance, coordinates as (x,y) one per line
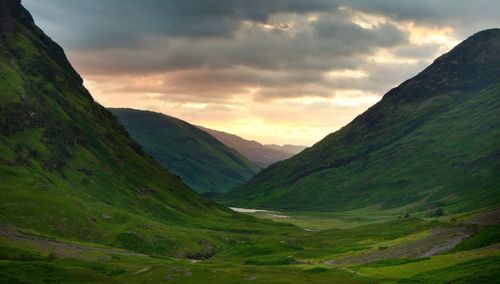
(440,240)
(446,246)
(352,271)
(61,248)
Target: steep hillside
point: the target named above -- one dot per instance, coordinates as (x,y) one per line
(432,141)
(203,162)
(69,170)
(262,155)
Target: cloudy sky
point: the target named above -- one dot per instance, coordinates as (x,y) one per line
(277,71)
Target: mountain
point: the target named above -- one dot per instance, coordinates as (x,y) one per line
(203,162)
(80,202)
(262,155)
(432,141)
(69,170)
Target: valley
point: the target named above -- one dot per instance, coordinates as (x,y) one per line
(408,192)
(389,251)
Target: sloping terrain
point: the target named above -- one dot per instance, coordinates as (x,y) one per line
(81,203)
(69,170)
(432,141)
(260,154)
(203,162)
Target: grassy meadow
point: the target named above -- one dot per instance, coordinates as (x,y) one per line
(346,247)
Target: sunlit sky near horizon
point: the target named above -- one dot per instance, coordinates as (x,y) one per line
(275,71)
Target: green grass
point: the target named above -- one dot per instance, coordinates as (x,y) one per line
(394,262)
(259,258)
(486,236)
(331,220)
(429,266)
(42,272)
(482,270)
(202,161)
(11,89)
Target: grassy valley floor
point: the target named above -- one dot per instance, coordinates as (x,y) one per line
(347,247)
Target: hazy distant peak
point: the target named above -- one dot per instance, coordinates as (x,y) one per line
(262,155)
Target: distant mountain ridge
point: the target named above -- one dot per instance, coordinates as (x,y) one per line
(203,162)
(260,154)
(292,149)
(432,141)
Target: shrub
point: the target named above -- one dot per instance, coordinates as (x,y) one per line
(439,212)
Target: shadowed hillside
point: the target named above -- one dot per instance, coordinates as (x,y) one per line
(203,162)
(432,141)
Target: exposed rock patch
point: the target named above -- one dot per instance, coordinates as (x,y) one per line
(7,9)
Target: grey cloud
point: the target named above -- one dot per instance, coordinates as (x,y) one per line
(207,85)
(196,33)
(464,16)
(416,51)
(221,83)
(429,10)
(120,22)
(354,36)
(211,49)
(329,43)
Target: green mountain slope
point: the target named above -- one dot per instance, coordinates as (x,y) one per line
(81,203)
(69,170)
(203,162)
(432,141)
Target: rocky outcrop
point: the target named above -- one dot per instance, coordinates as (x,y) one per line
(7,9)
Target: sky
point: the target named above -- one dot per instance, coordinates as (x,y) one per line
(275,71)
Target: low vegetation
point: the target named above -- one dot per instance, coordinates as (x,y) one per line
(359,254)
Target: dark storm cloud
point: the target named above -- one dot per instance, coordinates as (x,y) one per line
(283,47)
(126,22)
(122,22)
(329,42)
